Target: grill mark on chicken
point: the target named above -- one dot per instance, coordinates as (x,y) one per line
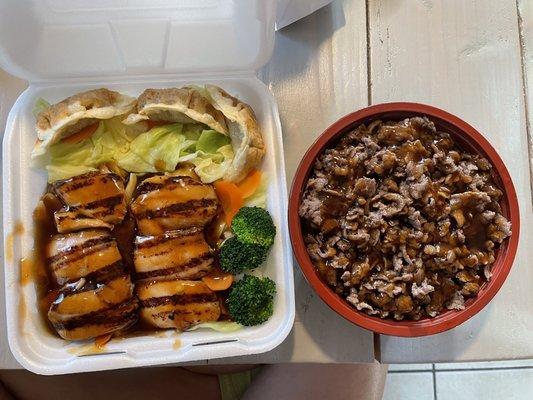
(103,275)
(172,315)
(174,210)
(97,196)
(109,202)
(178,254)
(95,280)
(180,268)
(101,317)
(157,240)
(169,183)
(190,206)
(86,248)
(90,331)
(179,299)
(62,216)
(78,182)
(81,181)
(72,221)
(179,202)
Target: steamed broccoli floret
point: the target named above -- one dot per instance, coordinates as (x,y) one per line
(236,256)
(251,301)
(254,225)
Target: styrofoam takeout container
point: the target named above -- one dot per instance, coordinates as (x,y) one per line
(65,46)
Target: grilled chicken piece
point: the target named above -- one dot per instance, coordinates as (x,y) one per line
(90,254)
(73,221)
(177,304)
(94,195)
(167,202)
(180,254)
(87,310)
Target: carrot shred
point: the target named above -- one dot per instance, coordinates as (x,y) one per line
(80,136)
(250,183)
(230,198)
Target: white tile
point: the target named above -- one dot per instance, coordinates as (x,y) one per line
(409,385)
(508,384)
(410,367)
(486,364)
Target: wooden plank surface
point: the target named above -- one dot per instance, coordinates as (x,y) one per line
(464,56)
(318,74)
(310,58)
(525,19)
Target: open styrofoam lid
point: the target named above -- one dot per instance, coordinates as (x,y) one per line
(47,39)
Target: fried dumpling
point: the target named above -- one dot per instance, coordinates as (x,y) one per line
(185,105)
(244,131)
(77,112)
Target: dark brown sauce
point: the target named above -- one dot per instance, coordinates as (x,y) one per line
(476,232)
(411,151)
(413,143)
(334,205)
(124,234)
(44,230)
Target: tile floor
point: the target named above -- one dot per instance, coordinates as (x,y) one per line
(495,380)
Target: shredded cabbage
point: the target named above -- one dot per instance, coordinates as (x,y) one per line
(211,167)
(158,150)
(210,141)
(56,172)
(219,326)
(106,144)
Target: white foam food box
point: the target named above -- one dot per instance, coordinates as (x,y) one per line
(65,46)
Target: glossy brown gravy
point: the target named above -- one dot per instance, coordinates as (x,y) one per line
(395,212)
(36,267)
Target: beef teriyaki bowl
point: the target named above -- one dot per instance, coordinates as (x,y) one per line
(404,219)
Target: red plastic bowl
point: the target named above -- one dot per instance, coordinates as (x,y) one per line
(468,139)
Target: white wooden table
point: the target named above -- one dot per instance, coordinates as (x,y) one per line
(471,58)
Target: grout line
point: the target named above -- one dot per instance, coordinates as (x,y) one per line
(368,56)
(434,377)
(459,370)
(521,44)
(481,369)
(410,371)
